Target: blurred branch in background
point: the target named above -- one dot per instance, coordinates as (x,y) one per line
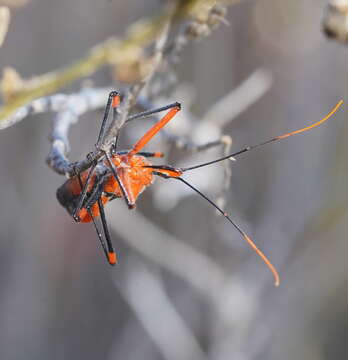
(207,15)
(189,288)
(170,252)
(335,21)
(113,51)
(4,22)
(169,331)
(233,305)
(13,3)
(211,125)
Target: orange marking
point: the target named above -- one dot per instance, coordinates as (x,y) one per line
(133,175)
(264,258)
(313,125)
(171,173)
(158,154)
(153,131)
(115,101)
(112,258)
(84,215)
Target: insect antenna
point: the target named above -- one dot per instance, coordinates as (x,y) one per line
(280,137)
(245,236)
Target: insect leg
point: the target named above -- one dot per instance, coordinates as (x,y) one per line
(96,197)
(146,114)
(102,243)
(111,255)
(147,154)
(154,129)
(96,192)
(83,192)
(123,188)
(113,101)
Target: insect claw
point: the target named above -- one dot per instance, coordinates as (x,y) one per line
(112,258)
(76,218)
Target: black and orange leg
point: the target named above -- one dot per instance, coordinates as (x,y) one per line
(138,146)
(145,114)
(95,198)
(100,237)
(186,144)
(147,154)
(122,186)
(83,194)
(157,154)
(110,253)
(113,102)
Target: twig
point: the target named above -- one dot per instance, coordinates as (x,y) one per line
(164,249)
(69,108)
(213,122)
(335,21)
(133,93)
(57,158)
(239,99)
(4,22)
(169,332)
(112,51)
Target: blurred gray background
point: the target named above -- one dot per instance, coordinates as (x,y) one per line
(186,287)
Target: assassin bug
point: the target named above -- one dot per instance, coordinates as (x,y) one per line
(125,174)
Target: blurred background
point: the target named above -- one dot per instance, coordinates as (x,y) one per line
(187,286)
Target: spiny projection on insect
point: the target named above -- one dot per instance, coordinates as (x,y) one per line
(126,174)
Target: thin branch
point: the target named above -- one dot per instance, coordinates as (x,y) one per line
(239,99)
(335,20)
(164,249)
(145,294)
(69,108)
(134,91)
(4,22)
(112,51)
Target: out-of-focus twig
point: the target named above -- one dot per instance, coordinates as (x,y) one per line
(335,21)
(169,332)
(14,87)
(164,249)
(133,93)
(211,126)
(57,158)
(13,3)
(112,51)
(239,99)
(4,22)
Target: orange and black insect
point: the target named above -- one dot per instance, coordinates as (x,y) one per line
(125,174)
